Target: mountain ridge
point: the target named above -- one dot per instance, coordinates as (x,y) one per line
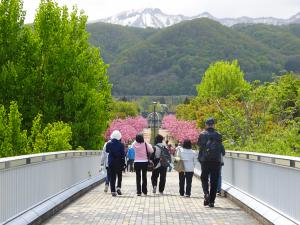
(155,18)
(172,60)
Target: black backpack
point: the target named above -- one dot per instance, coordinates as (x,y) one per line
(212,147)
(165,157)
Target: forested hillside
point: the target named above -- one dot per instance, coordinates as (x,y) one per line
(172,60)
(113,39)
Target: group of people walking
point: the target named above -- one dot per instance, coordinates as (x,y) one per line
(157,159)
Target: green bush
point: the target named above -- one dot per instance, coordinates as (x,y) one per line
(15,141)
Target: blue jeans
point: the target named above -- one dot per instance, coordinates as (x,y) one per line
(107,176)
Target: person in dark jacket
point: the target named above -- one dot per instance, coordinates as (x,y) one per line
(211,151)
(116,161)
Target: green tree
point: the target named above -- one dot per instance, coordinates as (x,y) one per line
(11,23)
(284,97)
(50,68)
(123,109)
(75,85)
(16,137)
(13,140)
(222,79)
(57,136)
(36,140)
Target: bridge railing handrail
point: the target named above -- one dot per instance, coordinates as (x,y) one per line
(280,160)
(15,161)
(46,180)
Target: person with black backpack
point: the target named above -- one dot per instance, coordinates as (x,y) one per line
(210,153)
(161,159)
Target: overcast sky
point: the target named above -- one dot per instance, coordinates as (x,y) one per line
(97,9)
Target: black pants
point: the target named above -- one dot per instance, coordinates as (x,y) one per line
(141,169)
(130,165)
(114,173)
(211,169)
(160,172)
(185,178)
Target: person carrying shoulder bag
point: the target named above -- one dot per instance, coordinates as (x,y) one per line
(189,159)
(142,150)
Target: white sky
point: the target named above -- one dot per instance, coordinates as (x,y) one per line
(97,9)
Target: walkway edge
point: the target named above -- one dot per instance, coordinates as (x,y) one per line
(46,209)
(263,213)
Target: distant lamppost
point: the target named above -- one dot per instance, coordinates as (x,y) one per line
(154,115)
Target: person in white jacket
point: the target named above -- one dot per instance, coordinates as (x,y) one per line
(188,156)
(104,163)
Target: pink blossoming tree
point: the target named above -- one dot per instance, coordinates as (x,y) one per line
(180,129)
(128,127)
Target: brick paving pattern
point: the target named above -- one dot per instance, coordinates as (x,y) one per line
(99,208)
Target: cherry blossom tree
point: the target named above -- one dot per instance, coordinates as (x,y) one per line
(128,127)
(180,129)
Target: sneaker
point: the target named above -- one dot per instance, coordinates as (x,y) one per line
(187,196)
(119,191)
(161,193)
(211,205)
(219,193)
(113,194)
(139,194)
(206,200)
(106,188)
(154,189)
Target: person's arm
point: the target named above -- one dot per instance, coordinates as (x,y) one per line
(122,154)
(107,146)
(222,146)
(122,151)
(149,148)
(195,159)
(199,141)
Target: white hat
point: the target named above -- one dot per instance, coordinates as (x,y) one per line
(116,135)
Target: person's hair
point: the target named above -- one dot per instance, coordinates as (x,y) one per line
(139,138)
(158,139)
(167,141)
(187,144)
(116,135)
(176,145)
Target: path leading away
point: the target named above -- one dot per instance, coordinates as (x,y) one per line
(163,132)
(99,208)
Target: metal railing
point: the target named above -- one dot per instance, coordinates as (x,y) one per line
(25,181)
(273,180)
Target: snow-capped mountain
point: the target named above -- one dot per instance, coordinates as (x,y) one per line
(145,18)
(154,17)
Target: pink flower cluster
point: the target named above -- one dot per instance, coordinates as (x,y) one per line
(128,127)
(180,129)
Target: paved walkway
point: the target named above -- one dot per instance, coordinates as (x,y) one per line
(99,208)
(147,134)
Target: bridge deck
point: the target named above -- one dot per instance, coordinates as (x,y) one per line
(99,208)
